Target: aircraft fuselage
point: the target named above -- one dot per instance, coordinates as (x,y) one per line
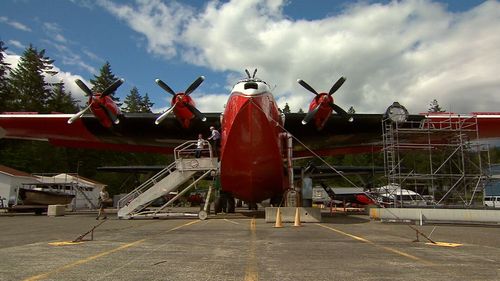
(251,144)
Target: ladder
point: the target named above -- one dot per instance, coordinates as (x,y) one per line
(185,167)
(390,155)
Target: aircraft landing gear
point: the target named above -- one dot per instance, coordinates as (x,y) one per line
(277,201)
(252,206)
(225,203)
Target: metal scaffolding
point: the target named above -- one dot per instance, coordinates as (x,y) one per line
(439,157)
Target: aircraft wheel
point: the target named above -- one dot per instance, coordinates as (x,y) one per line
(276,201)
(217,207)
(221,203)
(252,206)
(230,204)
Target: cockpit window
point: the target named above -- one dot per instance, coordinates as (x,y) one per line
(251,85)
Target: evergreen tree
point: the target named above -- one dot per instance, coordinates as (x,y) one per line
(434,107)
(351,110)
(104,80)
(133,101)
(27,81)
(146,104)
(5,96)
(286,109)
(61,101)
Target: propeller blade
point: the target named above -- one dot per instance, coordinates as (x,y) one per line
(194,85)
(78,115)
(341,112)
(310,115)
(84,87)
(109,90)
(338,109)
(164,114)
(196,112)
(165,87)
(336,86)
(307,87)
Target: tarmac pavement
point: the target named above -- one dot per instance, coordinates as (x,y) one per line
(241,247)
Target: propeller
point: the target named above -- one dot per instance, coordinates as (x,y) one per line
(109,90)
(196,83)
(310,115)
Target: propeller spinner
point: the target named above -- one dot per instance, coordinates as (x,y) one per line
(323,100)
(182,102)
(100,104)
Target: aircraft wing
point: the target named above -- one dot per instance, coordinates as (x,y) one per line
(338,136)
(136,132)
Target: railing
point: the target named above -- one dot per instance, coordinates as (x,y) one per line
(189,149)
(146,185)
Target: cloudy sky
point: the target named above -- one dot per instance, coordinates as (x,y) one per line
(408,51)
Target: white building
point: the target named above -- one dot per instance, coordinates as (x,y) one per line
(86,191)
(10,181)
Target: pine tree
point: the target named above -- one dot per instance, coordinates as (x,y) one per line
(133,101)
(5,96)
(146,104)
(27,81)
(104,80)
(351,110)
(61,101)
(434,107)
(286,109)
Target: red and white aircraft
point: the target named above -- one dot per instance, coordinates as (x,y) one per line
(254,134)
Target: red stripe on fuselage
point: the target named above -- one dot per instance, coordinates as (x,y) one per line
(251,155)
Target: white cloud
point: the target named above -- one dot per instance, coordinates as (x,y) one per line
(159,22)
(16,44)
(54,31)
(411,51)
(15,24)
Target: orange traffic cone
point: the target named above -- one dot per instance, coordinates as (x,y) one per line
(297,218)
(278,219)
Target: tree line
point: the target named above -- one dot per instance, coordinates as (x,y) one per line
(28,87)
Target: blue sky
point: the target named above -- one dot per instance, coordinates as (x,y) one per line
(408,51)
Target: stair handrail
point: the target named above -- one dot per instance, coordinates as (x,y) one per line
(190,147)
(145,185)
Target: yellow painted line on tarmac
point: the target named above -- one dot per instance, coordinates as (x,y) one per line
(445,244)
(388,249)
(100,255)
(64,243)
(251,272)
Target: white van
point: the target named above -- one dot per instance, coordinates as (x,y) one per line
(492,201)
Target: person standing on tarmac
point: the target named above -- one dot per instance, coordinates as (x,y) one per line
(103,199)
(215,139)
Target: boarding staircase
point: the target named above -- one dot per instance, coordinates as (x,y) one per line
(184,168)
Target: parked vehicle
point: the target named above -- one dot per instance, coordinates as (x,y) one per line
(492,201)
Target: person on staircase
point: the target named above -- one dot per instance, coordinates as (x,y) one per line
(199,146)
(215,139)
